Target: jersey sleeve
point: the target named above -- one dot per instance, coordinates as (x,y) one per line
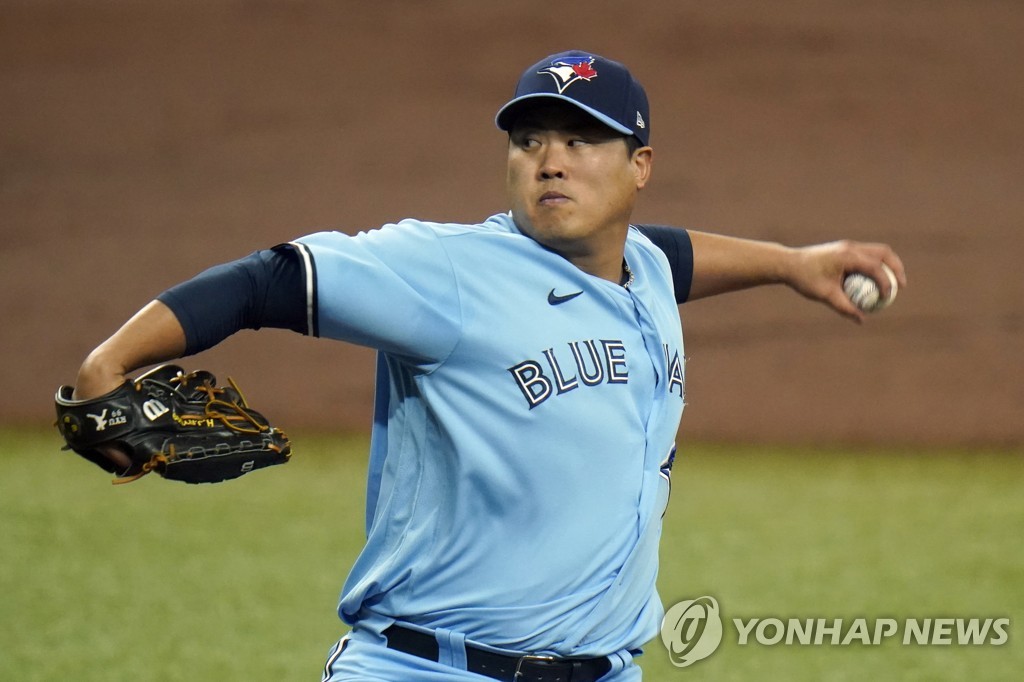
(675,243)
(392,289)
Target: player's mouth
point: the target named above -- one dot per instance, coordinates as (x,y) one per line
(552,199)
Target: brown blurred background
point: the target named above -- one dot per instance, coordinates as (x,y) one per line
(141,142)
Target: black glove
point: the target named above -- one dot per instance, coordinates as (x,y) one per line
(180,425)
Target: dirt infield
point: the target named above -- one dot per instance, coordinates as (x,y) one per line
(142,142)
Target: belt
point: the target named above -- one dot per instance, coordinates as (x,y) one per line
(527,668)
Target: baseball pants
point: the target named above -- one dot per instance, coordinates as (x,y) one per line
(363,657)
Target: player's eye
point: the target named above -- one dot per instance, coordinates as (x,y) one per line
(525,141)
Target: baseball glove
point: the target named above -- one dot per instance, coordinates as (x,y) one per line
(180,425)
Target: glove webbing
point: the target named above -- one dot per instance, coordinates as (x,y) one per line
(237,419)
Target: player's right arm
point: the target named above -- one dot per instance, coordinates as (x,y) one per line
(151,336)
(271,288)
(264,289)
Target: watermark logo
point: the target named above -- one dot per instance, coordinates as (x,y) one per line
(844,632)
(692,630)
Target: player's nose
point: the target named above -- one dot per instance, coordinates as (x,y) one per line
(552,162)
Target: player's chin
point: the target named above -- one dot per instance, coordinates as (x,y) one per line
(537,227)
(554,224)
(555,237)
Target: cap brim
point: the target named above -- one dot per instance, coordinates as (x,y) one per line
(506,116)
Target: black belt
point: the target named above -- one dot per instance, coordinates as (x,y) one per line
(529,668)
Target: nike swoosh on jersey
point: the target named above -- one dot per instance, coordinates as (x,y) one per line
(555,299)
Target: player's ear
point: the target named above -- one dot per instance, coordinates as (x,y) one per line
(642,161)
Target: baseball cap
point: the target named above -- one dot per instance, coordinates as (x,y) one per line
(603,88)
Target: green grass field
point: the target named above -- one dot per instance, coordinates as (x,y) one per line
(161,581)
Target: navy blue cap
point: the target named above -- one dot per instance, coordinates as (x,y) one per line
(601,87)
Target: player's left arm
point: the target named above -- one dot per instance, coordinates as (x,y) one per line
(722,264)
(706,264)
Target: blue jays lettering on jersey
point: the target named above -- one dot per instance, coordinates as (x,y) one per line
(524,410)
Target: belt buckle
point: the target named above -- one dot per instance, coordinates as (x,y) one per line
(531,658)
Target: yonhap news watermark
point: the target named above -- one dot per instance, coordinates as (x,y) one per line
(692,630)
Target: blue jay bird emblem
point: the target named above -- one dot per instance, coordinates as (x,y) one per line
(568,70)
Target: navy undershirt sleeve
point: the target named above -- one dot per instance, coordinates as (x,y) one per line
(264,289)
(675,242)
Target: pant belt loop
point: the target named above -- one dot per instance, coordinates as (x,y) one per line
(618,661)
(451,648)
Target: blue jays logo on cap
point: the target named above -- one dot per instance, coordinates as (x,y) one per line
(614,97)
(568,70)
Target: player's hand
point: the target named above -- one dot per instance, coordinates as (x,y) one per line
(152,335)
(819,270)
(96,378)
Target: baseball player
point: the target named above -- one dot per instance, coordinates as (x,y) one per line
(530,382)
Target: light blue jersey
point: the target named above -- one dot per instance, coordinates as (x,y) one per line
(524,412)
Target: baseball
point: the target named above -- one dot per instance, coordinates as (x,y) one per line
(864,293)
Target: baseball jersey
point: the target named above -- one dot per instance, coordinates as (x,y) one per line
(524,416)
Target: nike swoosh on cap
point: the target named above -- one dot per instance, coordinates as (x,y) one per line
(555,299)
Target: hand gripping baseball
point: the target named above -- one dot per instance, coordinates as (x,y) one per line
(180,425)
(823,270)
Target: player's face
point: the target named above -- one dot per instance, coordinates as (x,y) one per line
(572,184)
